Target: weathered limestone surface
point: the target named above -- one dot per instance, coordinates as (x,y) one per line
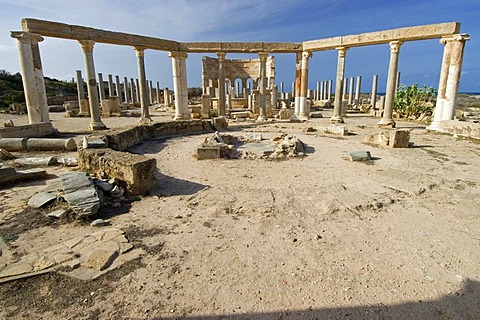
(19,144)
(10,175)
(460,128)
(394,138)
(136,171)
(80,193)
(27,131)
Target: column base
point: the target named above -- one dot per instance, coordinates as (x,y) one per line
(261,119)
(145,120)
(386,123)
(433,126)
(298,118)
(97,125)
(179,117)
(337,119)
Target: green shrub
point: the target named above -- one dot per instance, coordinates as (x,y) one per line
(415,102)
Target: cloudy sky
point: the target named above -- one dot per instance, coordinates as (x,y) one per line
(248,20)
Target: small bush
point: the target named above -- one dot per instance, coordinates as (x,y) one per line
(415,102)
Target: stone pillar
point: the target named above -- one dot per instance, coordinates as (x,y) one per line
(118,89)
(133,96)
(140,53)
(454,73)
(137,90)
(297,85)
(282,84)
(32,76)
(166,97)
(397,81)
(350,91)
(274,96)
(337,106)
(157,90)
(303,111)
(125,89)
(345,87)
(387,120)
(111,89)
(180,85)
(373,98)
(81,93)
(329,90)
(150,87)
(95,120)
(319,90)
(263,86)
(101,89)
(357,90)
(382,103)
(221,84)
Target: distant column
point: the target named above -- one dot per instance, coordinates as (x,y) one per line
(137,90)
(350,91)
(319,91)
(329,90)
(95,120)
(125,89)
(140,53)
(221,84)
(32,76)
(101,89)
(282,87)
(263,86)
(337,107)
(111,89)
(133,95)
(274,96)
(357,90)
(158,93)
(297,85)
(345,88)
(454,73)
(373,98)
(118,89)
(387,120)
(81,93)
(166,97)
(150,87)
(180,85)
(303,110)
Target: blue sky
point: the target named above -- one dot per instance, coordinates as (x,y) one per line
(248,20)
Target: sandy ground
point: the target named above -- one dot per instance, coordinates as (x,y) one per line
(317,237)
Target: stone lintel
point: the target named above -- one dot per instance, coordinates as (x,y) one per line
(66,31)
(241,47)
(424,32)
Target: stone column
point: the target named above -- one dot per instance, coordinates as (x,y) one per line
(274,96)
(157,90)
(319,90)
(125,89)
(95,120)
(119,90)
(263,86)
(387,120)
(32,76)
(397,81)
(180,85)
(357,90)
(350,91)
(454,73)
(373,98)
(337,106)
(81,93)
(166,97)
(221,84)
(111,90)
(151,91)
(329,90)
(140,53)
(303,110)
(345,87)
(137,90)
(133,96)
(297,85)
(282,84)
(101,89)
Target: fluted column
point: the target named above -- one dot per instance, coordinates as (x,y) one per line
(95,120)
(454,73)
(140,53)
(180,85)
(221,84)
(337,106)
(119,90)
(101,89)
(387,120)
(32,76)
(263,86)
(81,94)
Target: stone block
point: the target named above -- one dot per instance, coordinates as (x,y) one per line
(205,152)
(99,259)
(41,199)
(10,175)
(41,129)
(84,108)
(337,129)
(71,106)
(220,123)
(316,114)
(111,107)
(284,114)
(460,128)
(358,156)
(136,172)
(56,108)
(394,138)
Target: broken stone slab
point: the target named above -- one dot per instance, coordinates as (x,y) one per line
(393,138)
(41,129)
(105,186)
(254,137)
(51,144)
(358,156)
(36,161)
(80,193)
(5,155)
(99,259)
(41,199)
(316,114)
(13,144)
(10,175)
(336,129)
(220,123)
(57,213)
(93,144)
(205,152)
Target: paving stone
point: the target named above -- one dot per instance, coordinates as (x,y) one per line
(41,199)
(99,259)
(43,263)
(16,269)
(62,257)
(57,213)
(359,156)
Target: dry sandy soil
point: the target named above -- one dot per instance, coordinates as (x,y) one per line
(317,237)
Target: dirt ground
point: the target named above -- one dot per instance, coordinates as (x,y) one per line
(317,237)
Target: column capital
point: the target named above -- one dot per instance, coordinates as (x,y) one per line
(139,51)
(221,56)
(307,54)
(342,51)
(263,56)
(395,46)
(26,37)
(455,37)
(178,55)
(87,45)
